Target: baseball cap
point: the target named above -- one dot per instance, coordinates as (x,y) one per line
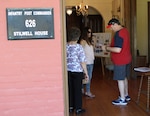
(112,22)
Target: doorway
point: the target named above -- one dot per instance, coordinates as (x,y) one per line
(93,20)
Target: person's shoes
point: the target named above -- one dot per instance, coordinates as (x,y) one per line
(79,111)
(89,94)
(119,102)
(71,110)
(127,98)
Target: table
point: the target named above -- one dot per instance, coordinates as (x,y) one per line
(145,72)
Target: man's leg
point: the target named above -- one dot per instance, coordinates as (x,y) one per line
(119,75)
(121,86)
(126,87)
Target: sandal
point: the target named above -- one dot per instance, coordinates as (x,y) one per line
(89,94)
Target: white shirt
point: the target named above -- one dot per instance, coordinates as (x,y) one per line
(89,52)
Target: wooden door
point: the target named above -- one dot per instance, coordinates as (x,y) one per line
(95,22)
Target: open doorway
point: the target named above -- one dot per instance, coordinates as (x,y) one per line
(94,20)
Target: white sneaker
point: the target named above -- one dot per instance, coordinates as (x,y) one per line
(119,102)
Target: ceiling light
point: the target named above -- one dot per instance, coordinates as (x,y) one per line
(69,11)
(82,9)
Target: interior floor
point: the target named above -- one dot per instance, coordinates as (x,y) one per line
(106,90)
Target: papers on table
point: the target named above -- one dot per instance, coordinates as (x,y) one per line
(142,69)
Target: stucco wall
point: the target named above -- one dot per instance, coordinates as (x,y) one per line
(31,70)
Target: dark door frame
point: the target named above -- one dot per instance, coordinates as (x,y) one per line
(130,23)
(148,33)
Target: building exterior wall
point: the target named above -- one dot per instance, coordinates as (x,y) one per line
(31,82)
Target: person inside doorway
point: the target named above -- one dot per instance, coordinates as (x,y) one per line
(121,58)
(87,44)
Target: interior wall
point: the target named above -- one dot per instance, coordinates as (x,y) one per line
(105,9)
(142,27)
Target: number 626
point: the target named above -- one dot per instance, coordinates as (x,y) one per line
(30,23)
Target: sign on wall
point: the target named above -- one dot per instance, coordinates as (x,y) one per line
(101,39)
(30,23)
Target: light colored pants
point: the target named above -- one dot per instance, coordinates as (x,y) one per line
(90,71)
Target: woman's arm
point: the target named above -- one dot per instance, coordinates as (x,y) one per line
(83,64)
